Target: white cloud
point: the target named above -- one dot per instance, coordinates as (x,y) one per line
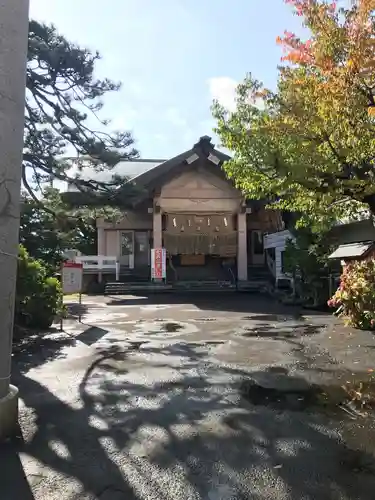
(223,89)
(136,89)
(160,138)
(173,116)
(124,120)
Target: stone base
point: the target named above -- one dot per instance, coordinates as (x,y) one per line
(9,413)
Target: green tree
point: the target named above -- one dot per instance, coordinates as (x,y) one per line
(306,260)
(309,145)
(50,226)
(63,96)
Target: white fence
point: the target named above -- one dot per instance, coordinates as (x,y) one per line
(97,262)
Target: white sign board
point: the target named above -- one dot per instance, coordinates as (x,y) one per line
(72,277)
(158,263)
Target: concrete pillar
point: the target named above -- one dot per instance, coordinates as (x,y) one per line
(157,229)
(13,50)
(101,241)
(101,249)
(242,247)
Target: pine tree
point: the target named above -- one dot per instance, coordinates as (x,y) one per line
(62,98)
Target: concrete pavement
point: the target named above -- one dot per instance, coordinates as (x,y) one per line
(146,400)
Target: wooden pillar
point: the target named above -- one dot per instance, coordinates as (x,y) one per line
(157,228)
(101,249)
(242,247)
(101,241)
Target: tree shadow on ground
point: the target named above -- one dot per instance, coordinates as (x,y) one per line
(36,349)
(75,309)
(39,348)
(232,302)
(13,481)
(176,427)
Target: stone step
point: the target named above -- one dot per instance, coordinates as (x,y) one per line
(126,287)
(122,288)
(203,285)
(255,285)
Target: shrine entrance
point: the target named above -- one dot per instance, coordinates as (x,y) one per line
(200,246)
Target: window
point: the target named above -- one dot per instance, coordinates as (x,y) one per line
(271,252)
(282,256)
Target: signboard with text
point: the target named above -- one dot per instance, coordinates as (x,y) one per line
(158,263)
(72,277)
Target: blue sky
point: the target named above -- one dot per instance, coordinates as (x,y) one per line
(173,57)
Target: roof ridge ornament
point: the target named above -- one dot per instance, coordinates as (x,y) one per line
(204,144)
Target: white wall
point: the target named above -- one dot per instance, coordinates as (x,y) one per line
(278,242)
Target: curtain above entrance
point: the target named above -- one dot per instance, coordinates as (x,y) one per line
(224,245)
(177,223)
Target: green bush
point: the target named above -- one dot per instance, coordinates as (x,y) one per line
(306,261)
(38,296)
(355,298)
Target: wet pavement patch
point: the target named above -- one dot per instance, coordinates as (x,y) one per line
(267,332)
(292,399)
(278,390)
(278,369)
(280,331)
(357,461)
(172,327)
(136,345)
(273,317)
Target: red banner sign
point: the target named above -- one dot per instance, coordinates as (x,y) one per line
(158,263)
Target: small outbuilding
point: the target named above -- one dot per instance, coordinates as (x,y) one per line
(354,251)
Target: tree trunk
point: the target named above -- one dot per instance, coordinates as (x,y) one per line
(13,50)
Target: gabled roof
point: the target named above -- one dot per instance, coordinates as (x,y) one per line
(152,173)
(203,149)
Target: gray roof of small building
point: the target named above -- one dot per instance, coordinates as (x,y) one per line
(351,250)
(133,168)
(126,168)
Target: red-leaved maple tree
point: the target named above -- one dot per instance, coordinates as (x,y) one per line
(310,145)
